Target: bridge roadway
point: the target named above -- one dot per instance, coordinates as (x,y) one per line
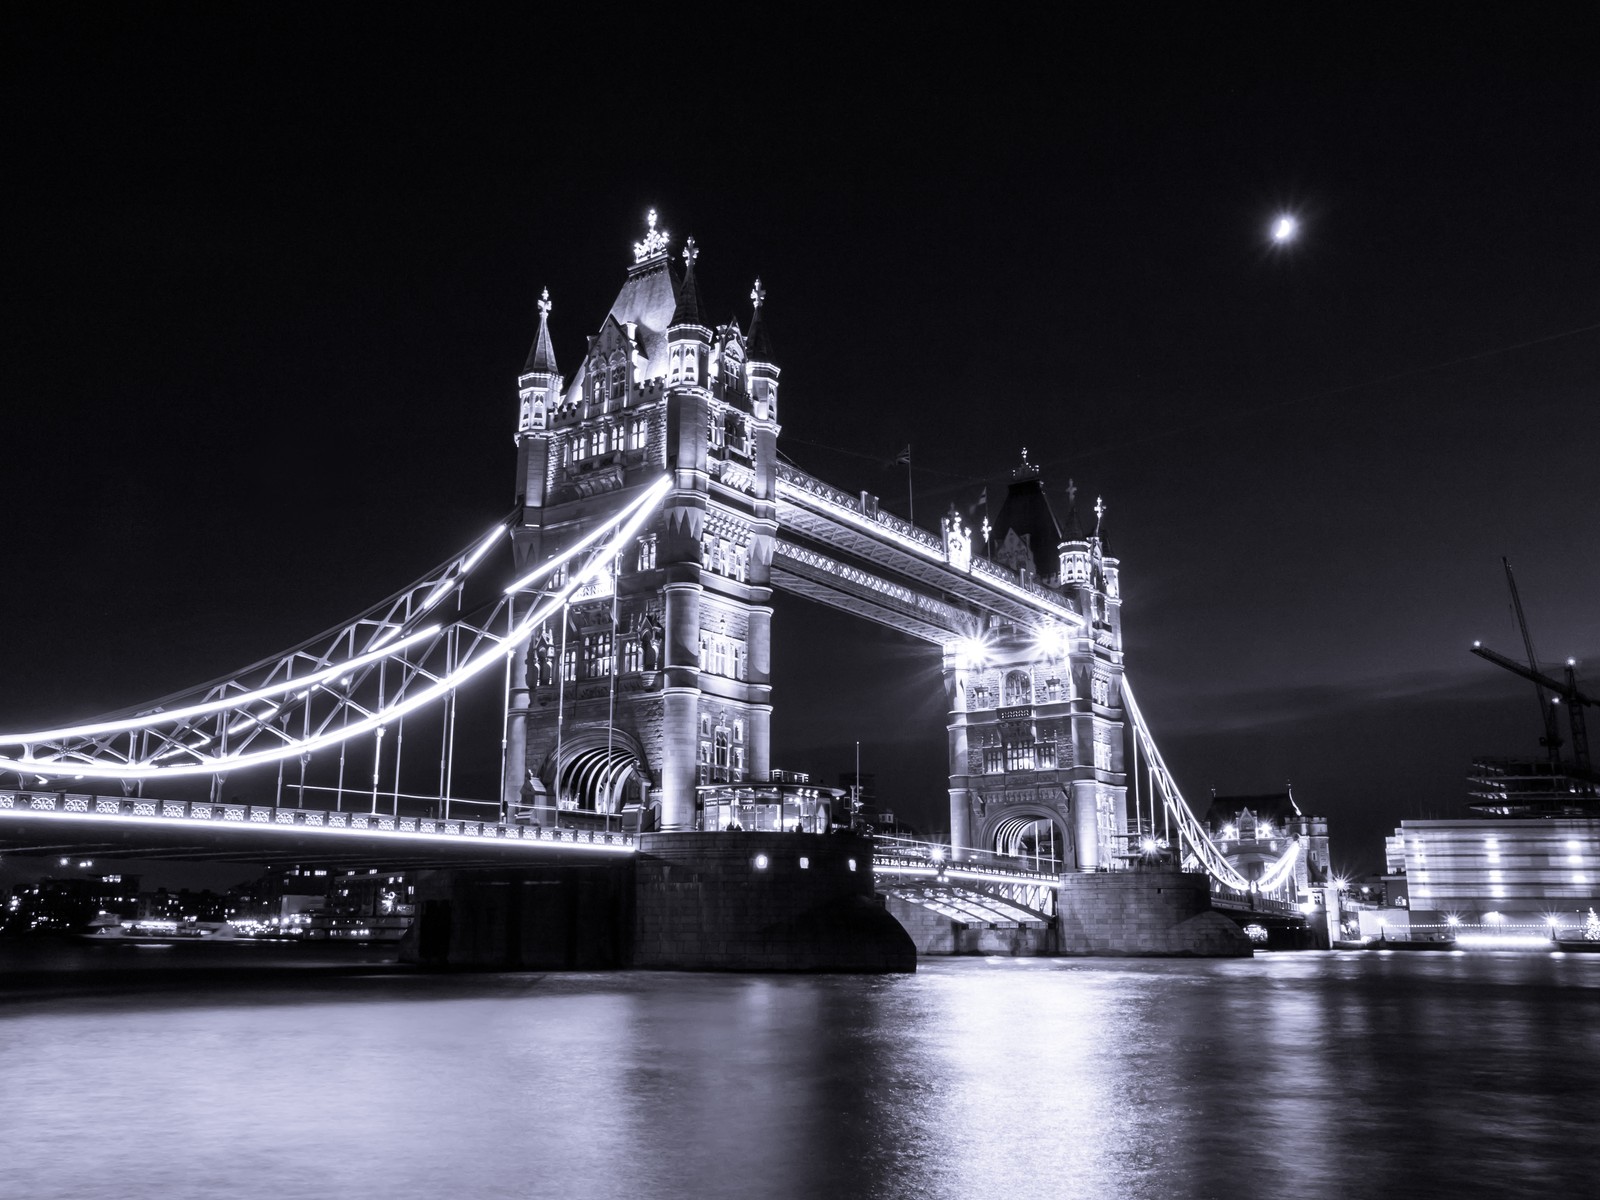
(110,827)
(49,823)
(53,823)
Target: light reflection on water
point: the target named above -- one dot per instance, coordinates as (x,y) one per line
(1288,1075)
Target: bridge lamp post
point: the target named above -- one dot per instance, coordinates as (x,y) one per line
(1052,642)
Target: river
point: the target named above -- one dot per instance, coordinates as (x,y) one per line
(244,1071)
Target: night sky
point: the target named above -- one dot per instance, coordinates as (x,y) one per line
(270,277)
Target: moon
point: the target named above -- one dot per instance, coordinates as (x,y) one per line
(1284,229)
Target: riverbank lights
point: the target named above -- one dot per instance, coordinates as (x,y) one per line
(1452,919)
(761,862)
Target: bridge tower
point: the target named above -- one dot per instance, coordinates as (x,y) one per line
(659,680)
(1036,726)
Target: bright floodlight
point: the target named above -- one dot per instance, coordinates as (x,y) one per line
(1284,229)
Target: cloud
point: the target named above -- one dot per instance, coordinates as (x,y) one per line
(1251,709)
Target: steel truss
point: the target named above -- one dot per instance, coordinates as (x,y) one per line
(355,679)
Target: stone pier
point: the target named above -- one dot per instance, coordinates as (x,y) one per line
(1144,913)
(684,901)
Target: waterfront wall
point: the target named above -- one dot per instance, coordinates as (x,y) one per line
(1154,913)
(551,917)
(763,902)
(684,901)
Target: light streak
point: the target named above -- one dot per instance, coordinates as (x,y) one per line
(583,543)
(641,510)
(211,706)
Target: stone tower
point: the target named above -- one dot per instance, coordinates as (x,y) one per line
(659,680)
(1036,721)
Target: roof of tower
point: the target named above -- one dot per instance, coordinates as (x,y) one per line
(1026,512)
(687,311)
(542,356)
(648,300)
(760,342)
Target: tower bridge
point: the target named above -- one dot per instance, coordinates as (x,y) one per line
(632,638)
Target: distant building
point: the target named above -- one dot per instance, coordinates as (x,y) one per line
(1253,832)
(1519,869)
(69,905)
(1531,858)
(1521,787)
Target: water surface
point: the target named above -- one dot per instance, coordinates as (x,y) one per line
(193,1073)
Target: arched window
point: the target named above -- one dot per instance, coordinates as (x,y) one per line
(1019,689)
(619,380)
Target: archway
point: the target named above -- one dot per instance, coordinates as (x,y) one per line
(1040,842)
(598,774)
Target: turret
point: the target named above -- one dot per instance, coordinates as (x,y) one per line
(688,337)
(761,373)
(539,385)
(1076,569)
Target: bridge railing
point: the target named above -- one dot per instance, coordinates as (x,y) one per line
(214,813)
(909,851)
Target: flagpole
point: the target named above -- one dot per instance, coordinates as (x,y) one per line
(911,500)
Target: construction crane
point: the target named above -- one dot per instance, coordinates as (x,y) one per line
(1576,700)
(1547,713)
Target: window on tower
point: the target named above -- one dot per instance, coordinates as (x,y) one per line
(597,654)
(1019,689)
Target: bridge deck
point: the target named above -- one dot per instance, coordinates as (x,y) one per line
(119,827)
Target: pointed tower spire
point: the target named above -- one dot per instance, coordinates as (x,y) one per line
(539,385)
(688,337)
(688,310)
(542,357)
(760,345)
(761,373)
(1072,531)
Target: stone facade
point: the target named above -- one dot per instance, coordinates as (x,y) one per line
(1036,721)
(659,680)
(1144,913)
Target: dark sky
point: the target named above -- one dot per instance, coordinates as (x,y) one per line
(270,277)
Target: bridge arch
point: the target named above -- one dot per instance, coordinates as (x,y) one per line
(1032,833)
(596,773)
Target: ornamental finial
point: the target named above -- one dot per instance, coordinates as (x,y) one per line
(758,294)
(655,241)
(690,252)
(544,304)
(1072,494)
(1099,513)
